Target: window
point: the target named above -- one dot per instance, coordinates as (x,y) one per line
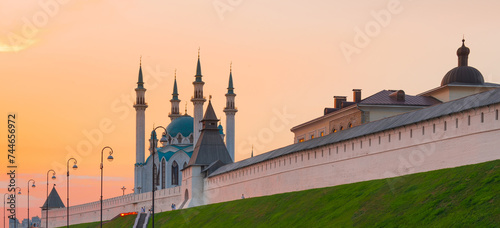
(361,144)
(423,130)
(334,130)
(369,142)
(337,149)
(496,114)
(468,120)
(482,117)
(352,146)
(379,140)
(389,137)
(341,128)
(400,136)
(433,128)
(312,136)
(344,147)
(301,140)
(350,125)
(411,133)
(445,125)
(175,173)
(456,123)
(322,134)
(329,151)
(163,173)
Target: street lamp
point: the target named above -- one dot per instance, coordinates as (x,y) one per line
(6,194)
(33,185)
(153,149)
(123,189)
(67,187)
(47,206)
(110,158)
(18,193)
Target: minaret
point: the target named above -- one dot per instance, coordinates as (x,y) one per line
(198,101)
(230,111)
(174,110)
(140,106)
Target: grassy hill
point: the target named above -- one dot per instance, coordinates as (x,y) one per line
(466,196)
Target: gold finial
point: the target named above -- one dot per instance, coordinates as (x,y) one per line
(210,97)
(175,74)
(140,60)
(231,67)
(198,52)
(186,108)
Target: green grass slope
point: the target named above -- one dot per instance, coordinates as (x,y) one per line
(466,196)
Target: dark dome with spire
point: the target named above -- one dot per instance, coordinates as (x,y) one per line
(463,73)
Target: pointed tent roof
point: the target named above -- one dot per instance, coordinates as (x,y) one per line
(210,146)
(54,200)
(210,113)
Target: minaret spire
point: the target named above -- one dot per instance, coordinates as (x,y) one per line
(198,101)
(174,109)
(230,111)
(140,81)
(140,137)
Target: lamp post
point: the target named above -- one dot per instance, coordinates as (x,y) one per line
(110,158)
(18,193)
(153,149)
(6,194)
(33,185)
(67,187)
(123,189)
(47,206)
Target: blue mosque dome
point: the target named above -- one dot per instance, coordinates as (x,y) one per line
(183,125)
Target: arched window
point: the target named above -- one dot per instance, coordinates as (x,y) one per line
(163,173)
(175,173)
(179,138)
(191,138)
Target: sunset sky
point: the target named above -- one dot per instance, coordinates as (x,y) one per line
(69,69)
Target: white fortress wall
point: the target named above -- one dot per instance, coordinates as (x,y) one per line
(112,207)
(410,149)
(414,148)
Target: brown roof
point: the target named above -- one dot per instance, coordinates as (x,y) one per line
(383,98)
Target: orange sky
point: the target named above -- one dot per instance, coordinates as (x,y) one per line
(68,68)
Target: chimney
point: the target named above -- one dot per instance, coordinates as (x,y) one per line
(356,95)
(338,101)
(398,95)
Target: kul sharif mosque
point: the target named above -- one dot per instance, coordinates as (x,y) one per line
(176,147)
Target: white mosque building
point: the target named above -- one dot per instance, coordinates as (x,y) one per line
(176,146)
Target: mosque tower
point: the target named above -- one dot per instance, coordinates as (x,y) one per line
(198,101)
(174,109)
(230,111)
(140,106)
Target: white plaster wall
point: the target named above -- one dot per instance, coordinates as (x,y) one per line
(112,207)
(323,167)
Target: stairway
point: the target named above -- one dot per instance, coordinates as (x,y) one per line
(141,220)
